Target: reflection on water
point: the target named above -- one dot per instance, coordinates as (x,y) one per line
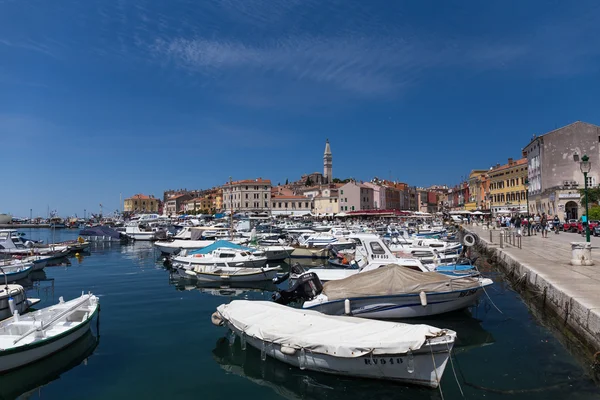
(221,288)
(31,377)
(293,383)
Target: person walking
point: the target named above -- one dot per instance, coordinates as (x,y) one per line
(556,224)
(518,225)
(544,223)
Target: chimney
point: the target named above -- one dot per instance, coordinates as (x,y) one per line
(510,161)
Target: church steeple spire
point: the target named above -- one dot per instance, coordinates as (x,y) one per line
(327,163)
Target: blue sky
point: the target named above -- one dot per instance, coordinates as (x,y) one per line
(102,98)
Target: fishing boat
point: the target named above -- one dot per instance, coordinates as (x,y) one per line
(27,338)
(13,297)
(211,273)
(393,291)
(354,347)
(12,244)
(15,272)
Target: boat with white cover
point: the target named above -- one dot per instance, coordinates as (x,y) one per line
(355,347)
(13,297)
(393,291)
(27,338)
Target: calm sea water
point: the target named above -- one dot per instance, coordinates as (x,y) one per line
(156,341)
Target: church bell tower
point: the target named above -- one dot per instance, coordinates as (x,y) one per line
(327,163)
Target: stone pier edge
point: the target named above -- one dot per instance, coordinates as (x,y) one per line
(581,320)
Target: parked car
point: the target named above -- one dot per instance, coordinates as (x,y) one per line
(570,225)
(581,227)
(596,231)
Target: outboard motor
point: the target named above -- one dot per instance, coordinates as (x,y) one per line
(303,286)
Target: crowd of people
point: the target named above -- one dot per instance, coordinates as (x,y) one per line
(537,223)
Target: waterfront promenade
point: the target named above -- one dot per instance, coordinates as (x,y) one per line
(572,291)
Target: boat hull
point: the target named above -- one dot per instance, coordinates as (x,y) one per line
(277,254)
(398,306)
(259,276)
(21,302)
(428,363)
(21,358)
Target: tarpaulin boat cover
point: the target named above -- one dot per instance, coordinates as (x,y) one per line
(100,231)
(393,279)
(220,243)
(345,337)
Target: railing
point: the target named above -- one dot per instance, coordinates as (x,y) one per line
(507,237)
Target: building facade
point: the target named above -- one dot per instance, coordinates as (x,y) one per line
(355,196)
(290,205)
(176,204)
(507,187)
(477,190)
(141,203)
(553,168)
(252,195)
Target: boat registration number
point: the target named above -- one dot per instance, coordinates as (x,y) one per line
(383,361)
(467,293)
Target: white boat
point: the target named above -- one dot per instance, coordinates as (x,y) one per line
(141,232)
(15,272)
(13,297)
(177,245)
(223,257)
(209,273)
(11,243)
(393,291)
(415,354)
(276,253)
(27,338)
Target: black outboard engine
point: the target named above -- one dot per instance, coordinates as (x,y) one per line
(303,286)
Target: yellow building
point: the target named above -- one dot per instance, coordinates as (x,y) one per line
(141,203)
(507,187)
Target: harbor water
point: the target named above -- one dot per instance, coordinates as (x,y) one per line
(154,339)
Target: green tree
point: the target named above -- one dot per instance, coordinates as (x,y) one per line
(308,182)
(593,196)
(595,213)
(286,181)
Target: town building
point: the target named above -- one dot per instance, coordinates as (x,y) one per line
(176,204)
(507,187)
(248,196)
(355,196)
(327,203)
(379,202)
(478,180)
(553,168)
(290,205)
(141,203)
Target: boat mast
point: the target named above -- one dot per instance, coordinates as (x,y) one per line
(231,210)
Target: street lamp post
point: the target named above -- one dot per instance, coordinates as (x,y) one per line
(585,165)
(527,200)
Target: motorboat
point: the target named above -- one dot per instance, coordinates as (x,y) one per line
(275,252)
(393,291)
(25,339)
(222,257)
(354,347)
(371,253)
(142,232)
(211,273)
(177,245)
(102,233)
(14,298)
(11,243)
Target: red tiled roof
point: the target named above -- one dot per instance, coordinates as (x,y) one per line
(251,181)
(140,197)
